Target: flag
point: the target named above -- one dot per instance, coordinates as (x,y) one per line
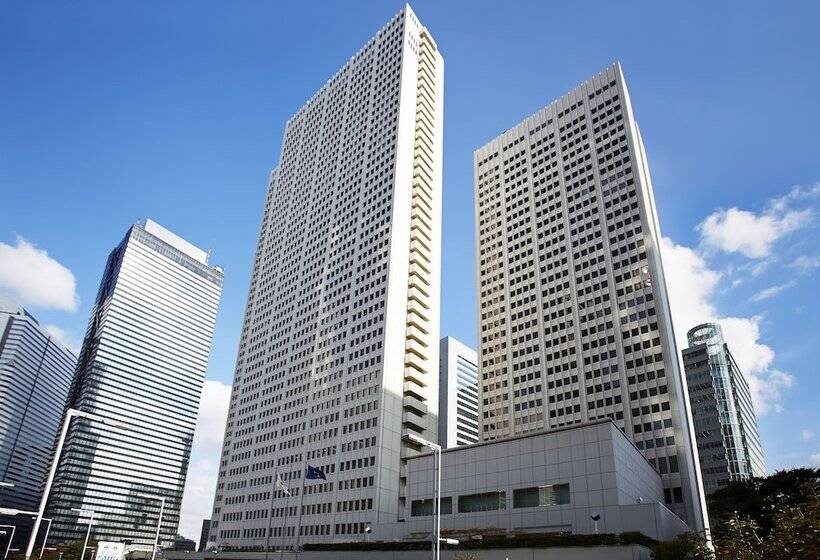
(314,473)
(281,485)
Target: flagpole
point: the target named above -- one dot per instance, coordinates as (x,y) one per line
(284,524)
(270,511)
(301,502)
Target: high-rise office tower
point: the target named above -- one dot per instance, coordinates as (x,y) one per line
(724,417)
(142,365)
(35,376)
(458,394)
(338,356)
(203,535)
(574,320)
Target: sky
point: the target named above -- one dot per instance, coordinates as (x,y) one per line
(113,112)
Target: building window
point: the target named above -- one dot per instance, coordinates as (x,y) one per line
(548,495)
(487,501)
(420,508)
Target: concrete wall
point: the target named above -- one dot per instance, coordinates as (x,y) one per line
(631,552)
(607,475)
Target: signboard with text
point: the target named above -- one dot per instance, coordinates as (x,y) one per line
(110,550)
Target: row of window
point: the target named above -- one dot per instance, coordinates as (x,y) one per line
(535,496)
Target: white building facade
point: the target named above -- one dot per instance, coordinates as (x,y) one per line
(574,319)
(338,355)
(458,394)
(542,482)
(142,365)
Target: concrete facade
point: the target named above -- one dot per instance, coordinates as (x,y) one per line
(338,356)
(574,321)
(458,394)
(631,552)
(579,471)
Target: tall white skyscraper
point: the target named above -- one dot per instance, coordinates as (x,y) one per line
(338,356)
(574,320)
(458,394)
(142,365)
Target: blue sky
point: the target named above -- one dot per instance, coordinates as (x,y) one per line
(175,111)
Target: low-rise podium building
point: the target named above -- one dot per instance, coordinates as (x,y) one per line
(544,482)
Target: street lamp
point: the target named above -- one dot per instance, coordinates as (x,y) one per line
(11,538)
(45,539)
(596,517)
(70,414)
(88,532)
(159,521)
(437,489)
(9,511)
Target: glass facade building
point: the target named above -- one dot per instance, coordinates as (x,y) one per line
(35,376)
(142,364)
(725,423)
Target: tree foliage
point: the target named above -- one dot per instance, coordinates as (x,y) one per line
(771,518)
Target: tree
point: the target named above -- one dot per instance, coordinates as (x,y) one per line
(772,518)
(688,546)
(759,498)
(73,550)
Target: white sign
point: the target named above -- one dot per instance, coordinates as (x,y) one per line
(110,550)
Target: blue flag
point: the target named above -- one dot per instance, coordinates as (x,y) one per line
(314,473)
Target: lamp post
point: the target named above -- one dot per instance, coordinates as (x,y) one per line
(70,414)
(159,521)
(437,489)
(11,538)
(88,532)
(7,511)
(12,512)
(45,539)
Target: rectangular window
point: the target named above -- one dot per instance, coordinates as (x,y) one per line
(487,501)
(421,508)
(548,495)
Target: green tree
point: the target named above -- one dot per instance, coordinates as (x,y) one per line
(688,546)
(73,549)
(772,518)
(759,498)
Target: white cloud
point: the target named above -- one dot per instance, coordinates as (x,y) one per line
(800,192)
(63,337)
(814,460)
(750,234)
(773,291)
(197,501)
(34,279)
(754,234)
(692,285)
(806,263)
(807,435)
